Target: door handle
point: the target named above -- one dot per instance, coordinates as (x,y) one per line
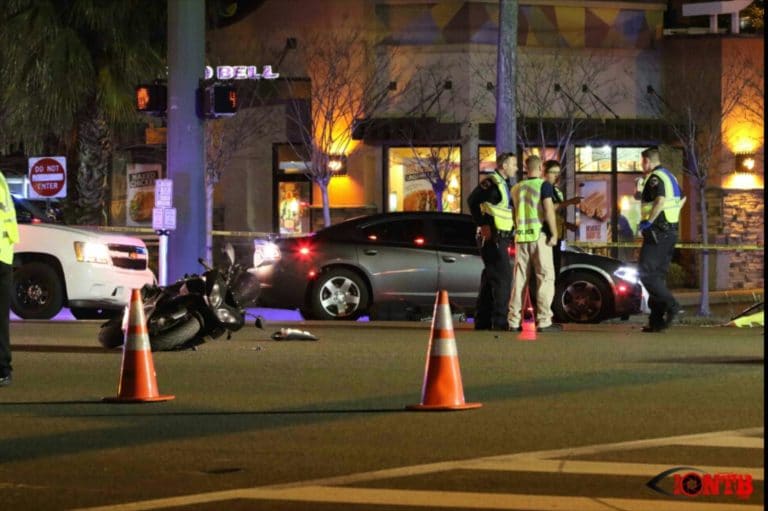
(370,251)
(449,259)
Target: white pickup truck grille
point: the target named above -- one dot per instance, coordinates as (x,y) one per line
(128,256)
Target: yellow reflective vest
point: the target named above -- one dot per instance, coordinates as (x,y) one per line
(672,197)
(526,196)
(10,230)
(501,212)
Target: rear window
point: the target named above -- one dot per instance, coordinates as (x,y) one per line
(456,233)
(400,232)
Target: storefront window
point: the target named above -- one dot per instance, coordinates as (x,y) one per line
(593,159)
(628,159)
(417,175)
(293,207)
(293,193)
(486,156)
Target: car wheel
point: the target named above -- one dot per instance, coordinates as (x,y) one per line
(38,292)
(582,297)
(339,294)
(94,313)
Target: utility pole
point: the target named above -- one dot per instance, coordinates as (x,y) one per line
(185,146)
(506,61)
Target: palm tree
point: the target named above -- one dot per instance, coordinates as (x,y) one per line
(69,69)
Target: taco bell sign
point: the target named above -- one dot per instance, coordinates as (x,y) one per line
(240,73)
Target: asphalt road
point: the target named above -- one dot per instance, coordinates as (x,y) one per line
(578,420)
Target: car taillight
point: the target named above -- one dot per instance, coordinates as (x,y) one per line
(304,251)
(511,250)
(621,288)
(419,241)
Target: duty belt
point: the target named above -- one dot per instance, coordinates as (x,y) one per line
(504,234)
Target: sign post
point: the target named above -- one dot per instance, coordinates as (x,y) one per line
(163,221)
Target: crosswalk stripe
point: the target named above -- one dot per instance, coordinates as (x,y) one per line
(741,442)
(475,500)
(601,467)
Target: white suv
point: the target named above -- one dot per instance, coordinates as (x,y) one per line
(90,272)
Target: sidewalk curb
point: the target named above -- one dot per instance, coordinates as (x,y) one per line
(745,296)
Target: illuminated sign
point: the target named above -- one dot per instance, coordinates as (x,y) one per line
(240,73)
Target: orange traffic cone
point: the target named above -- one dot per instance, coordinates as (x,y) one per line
(528,333)
(442,389)
(138,381)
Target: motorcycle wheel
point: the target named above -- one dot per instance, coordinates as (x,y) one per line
(111,335)
(178,335)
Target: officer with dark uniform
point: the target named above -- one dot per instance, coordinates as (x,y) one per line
(490,207)
(661,200)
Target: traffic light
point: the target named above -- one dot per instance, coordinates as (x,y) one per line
(218,100)
(151,99)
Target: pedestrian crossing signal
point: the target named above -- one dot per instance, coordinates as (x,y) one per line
(219,101)
(151,99)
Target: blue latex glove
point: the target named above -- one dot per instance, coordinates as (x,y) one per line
(645,224)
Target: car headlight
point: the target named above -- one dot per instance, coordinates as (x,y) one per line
(628,274)
(265,252)
(89,252)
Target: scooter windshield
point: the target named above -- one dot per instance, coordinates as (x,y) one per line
(245,288)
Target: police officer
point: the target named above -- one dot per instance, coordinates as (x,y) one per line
(490,208)
(661,201)
(9,235)
(533,208)
(552,174)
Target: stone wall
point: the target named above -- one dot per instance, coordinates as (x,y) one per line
(743,217)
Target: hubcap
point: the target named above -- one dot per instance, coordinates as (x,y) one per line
(340,297)
(32,293)
(582,301)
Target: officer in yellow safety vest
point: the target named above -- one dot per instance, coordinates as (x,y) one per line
(532,201)
(490,208)
(661,200)
(10,235)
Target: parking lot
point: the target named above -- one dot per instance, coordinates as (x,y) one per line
(579,420)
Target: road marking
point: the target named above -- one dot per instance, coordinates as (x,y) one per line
(331,489)
(433,499)
(602,467)
(741,442)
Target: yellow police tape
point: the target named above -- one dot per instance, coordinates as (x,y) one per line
(683,245)
(580,244)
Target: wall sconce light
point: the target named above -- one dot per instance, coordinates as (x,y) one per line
(745,163)
(337,165)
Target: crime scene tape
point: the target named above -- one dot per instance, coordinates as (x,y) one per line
(682,245)
(580,244)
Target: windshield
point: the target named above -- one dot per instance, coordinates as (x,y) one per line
(36,211)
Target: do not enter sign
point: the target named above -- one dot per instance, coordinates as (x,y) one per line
(48,177)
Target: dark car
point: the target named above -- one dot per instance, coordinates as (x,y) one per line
(399,260)
(29,211)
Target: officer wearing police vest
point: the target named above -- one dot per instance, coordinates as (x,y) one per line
(9,235)
(661,200)
(533,207)
(490,208)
